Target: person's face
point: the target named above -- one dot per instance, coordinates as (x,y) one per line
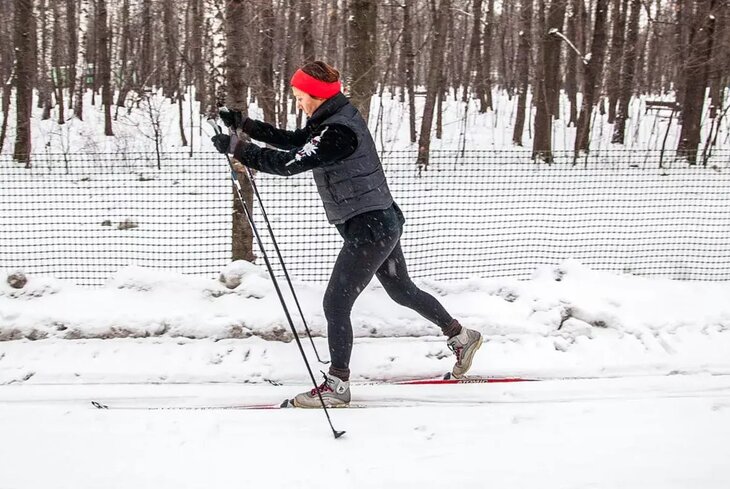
(306,102)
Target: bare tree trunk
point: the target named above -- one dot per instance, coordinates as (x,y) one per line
(287,64)
(683,16)
(92,52)
(548,70)
(582,39)
(474,55)
(343,36)
(613,74)
(627,73)
(236,62)
(146,58)
(24,32)
(506,48)
(196,48)
(309,52)
(652,84)
(7,66)
(542,143)
(410,62)
(124,69)
(215,55)
(695,73)
(718,62)
(44,62)
(642,41)
(73,42)
(451,70)
(553,46)
(592,78)
(81,58)
(237,98)
(6,94)
(433,82)
(104,64)
(362,54)
(488,105)
(267,91)
(571,72)
(171,49)
(333,31)
(180,119)
(57,63)
(523,68)
(440,107)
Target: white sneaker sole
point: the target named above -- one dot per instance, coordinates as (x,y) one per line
(318,404)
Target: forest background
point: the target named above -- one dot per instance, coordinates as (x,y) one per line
(600,53)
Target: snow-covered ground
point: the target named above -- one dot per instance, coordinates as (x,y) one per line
(566,321)
(636,389)
(643,433)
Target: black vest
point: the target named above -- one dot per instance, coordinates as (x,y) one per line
(356,184)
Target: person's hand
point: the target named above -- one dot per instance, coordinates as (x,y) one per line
(225,143)
(232,118)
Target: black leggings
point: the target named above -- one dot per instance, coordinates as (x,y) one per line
(355,266)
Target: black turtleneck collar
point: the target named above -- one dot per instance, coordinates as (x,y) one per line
(329,107)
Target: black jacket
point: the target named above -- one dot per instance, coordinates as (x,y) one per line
(336,143)
(338,147)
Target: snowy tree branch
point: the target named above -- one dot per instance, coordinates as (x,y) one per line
(555,32)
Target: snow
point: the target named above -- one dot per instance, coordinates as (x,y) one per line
(636,390)
(657,433)
(635,371)
(567,320)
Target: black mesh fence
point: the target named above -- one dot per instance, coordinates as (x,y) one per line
(469,214)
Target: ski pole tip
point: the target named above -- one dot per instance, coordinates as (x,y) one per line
(338,433)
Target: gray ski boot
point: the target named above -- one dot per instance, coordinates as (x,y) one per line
(464,345)
(335,393)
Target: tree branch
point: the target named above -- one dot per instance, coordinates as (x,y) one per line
(555,32)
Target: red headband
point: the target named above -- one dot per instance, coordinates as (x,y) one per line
(317,88)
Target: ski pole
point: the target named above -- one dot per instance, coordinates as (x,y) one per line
(249,217)
(249,175)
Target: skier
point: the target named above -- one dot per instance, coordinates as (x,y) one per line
(339,149)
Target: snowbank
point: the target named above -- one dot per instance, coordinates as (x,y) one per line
(149,325)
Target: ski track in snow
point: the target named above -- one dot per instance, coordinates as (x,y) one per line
(383,394)
(633,432)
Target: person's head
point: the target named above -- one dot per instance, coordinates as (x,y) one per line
(314,83)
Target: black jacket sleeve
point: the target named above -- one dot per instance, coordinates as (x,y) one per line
(328,145)
(280,138)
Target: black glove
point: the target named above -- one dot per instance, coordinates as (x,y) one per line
(225,143)
(232,118)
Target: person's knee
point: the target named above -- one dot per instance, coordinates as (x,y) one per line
(335,305)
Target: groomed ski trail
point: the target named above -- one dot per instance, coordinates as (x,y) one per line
(258,396)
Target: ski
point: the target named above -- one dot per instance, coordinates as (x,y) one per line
(448,379)
(100,405)
(285,404)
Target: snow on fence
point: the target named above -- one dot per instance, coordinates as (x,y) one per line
(470,214)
